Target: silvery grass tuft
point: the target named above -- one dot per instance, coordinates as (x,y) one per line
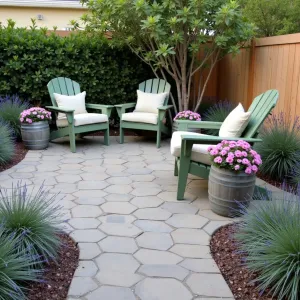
(269,235)
(16,267)
(7,146)
(34,218)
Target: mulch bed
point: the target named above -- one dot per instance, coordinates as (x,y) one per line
(20,152)
(230,263)
(57,276)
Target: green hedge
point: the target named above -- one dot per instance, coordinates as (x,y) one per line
(30,58)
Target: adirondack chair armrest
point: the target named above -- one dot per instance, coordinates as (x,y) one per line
(121,108)
(165,107)
(201,124)
(105,109)
(60,109)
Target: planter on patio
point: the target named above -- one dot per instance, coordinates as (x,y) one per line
(35,129)
(183,125)
(183,121)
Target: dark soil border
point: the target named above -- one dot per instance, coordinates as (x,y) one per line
(230,263)
(58,275)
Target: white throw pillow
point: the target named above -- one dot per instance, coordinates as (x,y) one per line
(148,102)
(235,123)
(76,102)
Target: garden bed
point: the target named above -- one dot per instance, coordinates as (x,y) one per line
(230,263)
(58,275)
(20,153)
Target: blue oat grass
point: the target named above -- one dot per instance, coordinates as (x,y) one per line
(7,145)
(16,267)
(269,235)
(34,218)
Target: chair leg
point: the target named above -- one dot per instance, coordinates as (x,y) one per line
(158,138)
(176,167)
(182,177)
(121,135)
(106,137)
(72,141)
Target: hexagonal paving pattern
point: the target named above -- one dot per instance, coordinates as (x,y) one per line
(136,240)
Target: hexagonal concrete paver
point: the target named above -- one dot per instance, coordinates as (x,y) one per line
(142,178)
(191,251)
(145,191)
(117,262)
(118,197)
(168,271)
(94,176)
(84,223)
(205,284)
(155,240)
(88,250)
(118,244)
(89,194)
(155,257)
(86,268)
(118,278)
(153,226)
(126,230)
(119,180)
(112,293)
(187,221)
(81,286)
(157,214)
(172,196)
(90,201)
(92,185)
(118,189)
(212,226)
(118,219)
(86,211)
(180,208)
(138,171)
(190,236)
(87,235)
(203,265)
(118,208)
(146,201)
(162,289)
(67,188)
(113,161)
(68,178)
(207,213)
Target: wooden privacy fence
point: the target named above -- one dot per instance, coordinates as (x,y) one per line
(270,63)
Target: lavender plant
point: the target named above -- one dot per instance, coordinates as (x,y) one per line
(33,218)
(280,146)
(7,147)
(16,267)
(269,236)
(10,109)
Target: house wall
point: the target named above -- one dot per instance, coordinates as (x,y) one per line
(59,17)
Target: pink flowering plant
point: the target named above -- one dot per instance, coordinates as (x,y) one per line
(235,156)
(187,115)
(34,114)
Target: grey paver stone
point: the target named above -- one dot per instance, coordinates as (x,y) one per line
(120,229)
(21,175)
(80,286)
(168,271)
(153,226)
(92,162)
(191,251)
(172,196)
(118,244)
(118,219)
(142,178)
(113,161)
(119,189)
(146,201)
(88,250)
(94,176)
(111,293)
(125,279)
(212,285)
(180,208)
(149,185)
(145,191)
(93,169)
(162,289)
(187,221)
(70,166)
(157,214)
(190,236)
(118,208)
(47,167)
(89,194)
(86,211)
(118,197)
(155,257)
(86,268)
(87,235)
(139,171)
(203,265)
(84,223)
(119,180)
(155,240)
(75,160)
(68,178)
(212,226)
(67,188)
(207,213)
(161,167)
(92,185)
(90,201)
(117,262)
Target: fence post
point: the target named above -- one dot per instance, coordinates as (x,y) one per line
(251,73)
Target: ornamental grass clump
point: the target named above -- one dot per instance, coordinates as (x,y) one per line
(7,145)
(33,218)
(34,114)
(280,146)
(16,267)
(187,115)
(269,236)
(235,156)
(10,109)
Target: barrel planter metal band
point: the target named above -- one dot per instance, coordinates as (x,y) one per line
(36,135)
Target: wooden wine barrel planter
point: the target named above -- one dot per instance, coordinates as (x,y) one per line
(228,189)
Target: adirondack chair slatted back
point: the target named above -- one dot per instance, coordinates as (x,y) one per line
(155,86)
(63,86)
(260,108)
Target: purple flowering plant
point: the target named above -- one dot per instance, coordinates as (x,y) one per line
(235,156)
(187,115)
(34,114)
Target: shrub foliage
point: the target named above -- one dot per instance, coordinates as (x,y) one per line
(269,235)
(7,146)
(29,59)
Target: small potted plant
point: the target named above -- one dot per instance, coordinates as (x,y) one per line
(35,129)
(232,176)
(182,121)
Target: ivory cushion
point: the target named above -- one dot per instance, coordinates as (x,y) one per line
(148,102)
(83,119)
(140,117)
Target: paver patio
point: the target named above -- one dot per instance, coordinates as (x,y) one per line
(136,240)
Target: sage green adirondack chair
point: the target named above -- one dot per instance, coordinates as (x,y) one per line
(260,108)
(152,123)
(66,86)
